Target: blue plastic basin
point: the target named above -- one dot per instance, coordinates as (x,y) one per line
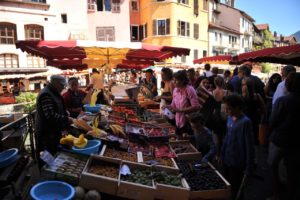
(91,147)
(52,190)
(8,156)
(92,109)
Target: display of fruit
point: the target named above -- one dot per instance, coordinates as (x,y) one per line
(143,177)
(154,132)
(80,123)
(116,120)
(182,148)
(167,179)
(117,131)
(80,142)
(67,140)
(104,169)
(97,133)
(201,178)
(163,151)
(120,155)
(134,147)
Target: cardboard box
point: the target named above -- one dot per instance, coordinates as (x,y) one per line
(167,192)
(134,190)
(97,182)
(194,155)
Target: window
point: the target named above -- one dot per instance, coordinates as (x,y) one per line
(91,5)
(220,35)
(64,18)
(205,5)
(243,22)
(8,33)
(105,34)
(183,59)
(196,7)
(115,6)
(183,28)
(35,62)
(204,53)
(134,33)
(196,31)
(195,54)
(232,39)
(216,36)
(39,1)
(161,27)
(134,5)
(9,61)
(108,5)
(34,32)
(183,1)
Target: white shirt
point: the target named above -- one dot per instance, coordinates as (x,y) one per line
(280,91)
(207,73)
(97,81)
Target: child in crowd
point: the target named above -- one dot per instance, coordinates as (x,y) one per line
(202,138)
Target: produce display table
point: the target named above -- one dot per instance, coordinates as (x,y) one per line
(160,168)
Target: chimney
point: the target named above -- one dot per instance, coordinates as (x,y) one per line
(281,37)
(232,3)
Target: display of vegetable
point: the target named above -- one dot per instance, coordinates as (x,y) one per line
(143,177)
(168,179)
(29,98)
(104,169)
(201,177)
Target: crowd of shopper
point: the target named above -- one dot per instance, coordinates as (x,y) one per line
(220,115)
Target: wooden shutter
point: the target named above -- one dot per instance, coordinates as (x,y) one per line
(188,29)
(178,27)
(167,26)
(146,31)
(196,7)
(196,31)
(141,32)
(154,27)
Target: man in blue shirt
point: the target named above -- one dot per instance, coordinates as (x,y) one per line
(237,152)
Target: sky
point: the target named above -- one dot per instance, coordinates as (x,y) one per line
(283,16)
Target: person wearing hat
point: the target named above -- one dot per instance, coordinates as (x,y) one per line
(51,116)
(150,81)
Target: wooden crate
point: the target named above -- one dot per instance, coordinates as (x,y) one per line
(134,190)
(97,182)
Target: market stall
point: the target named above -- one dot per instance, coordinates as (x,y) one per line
(136,156)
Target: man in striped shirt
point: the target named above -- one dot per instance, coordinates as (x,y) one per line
(51,115)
